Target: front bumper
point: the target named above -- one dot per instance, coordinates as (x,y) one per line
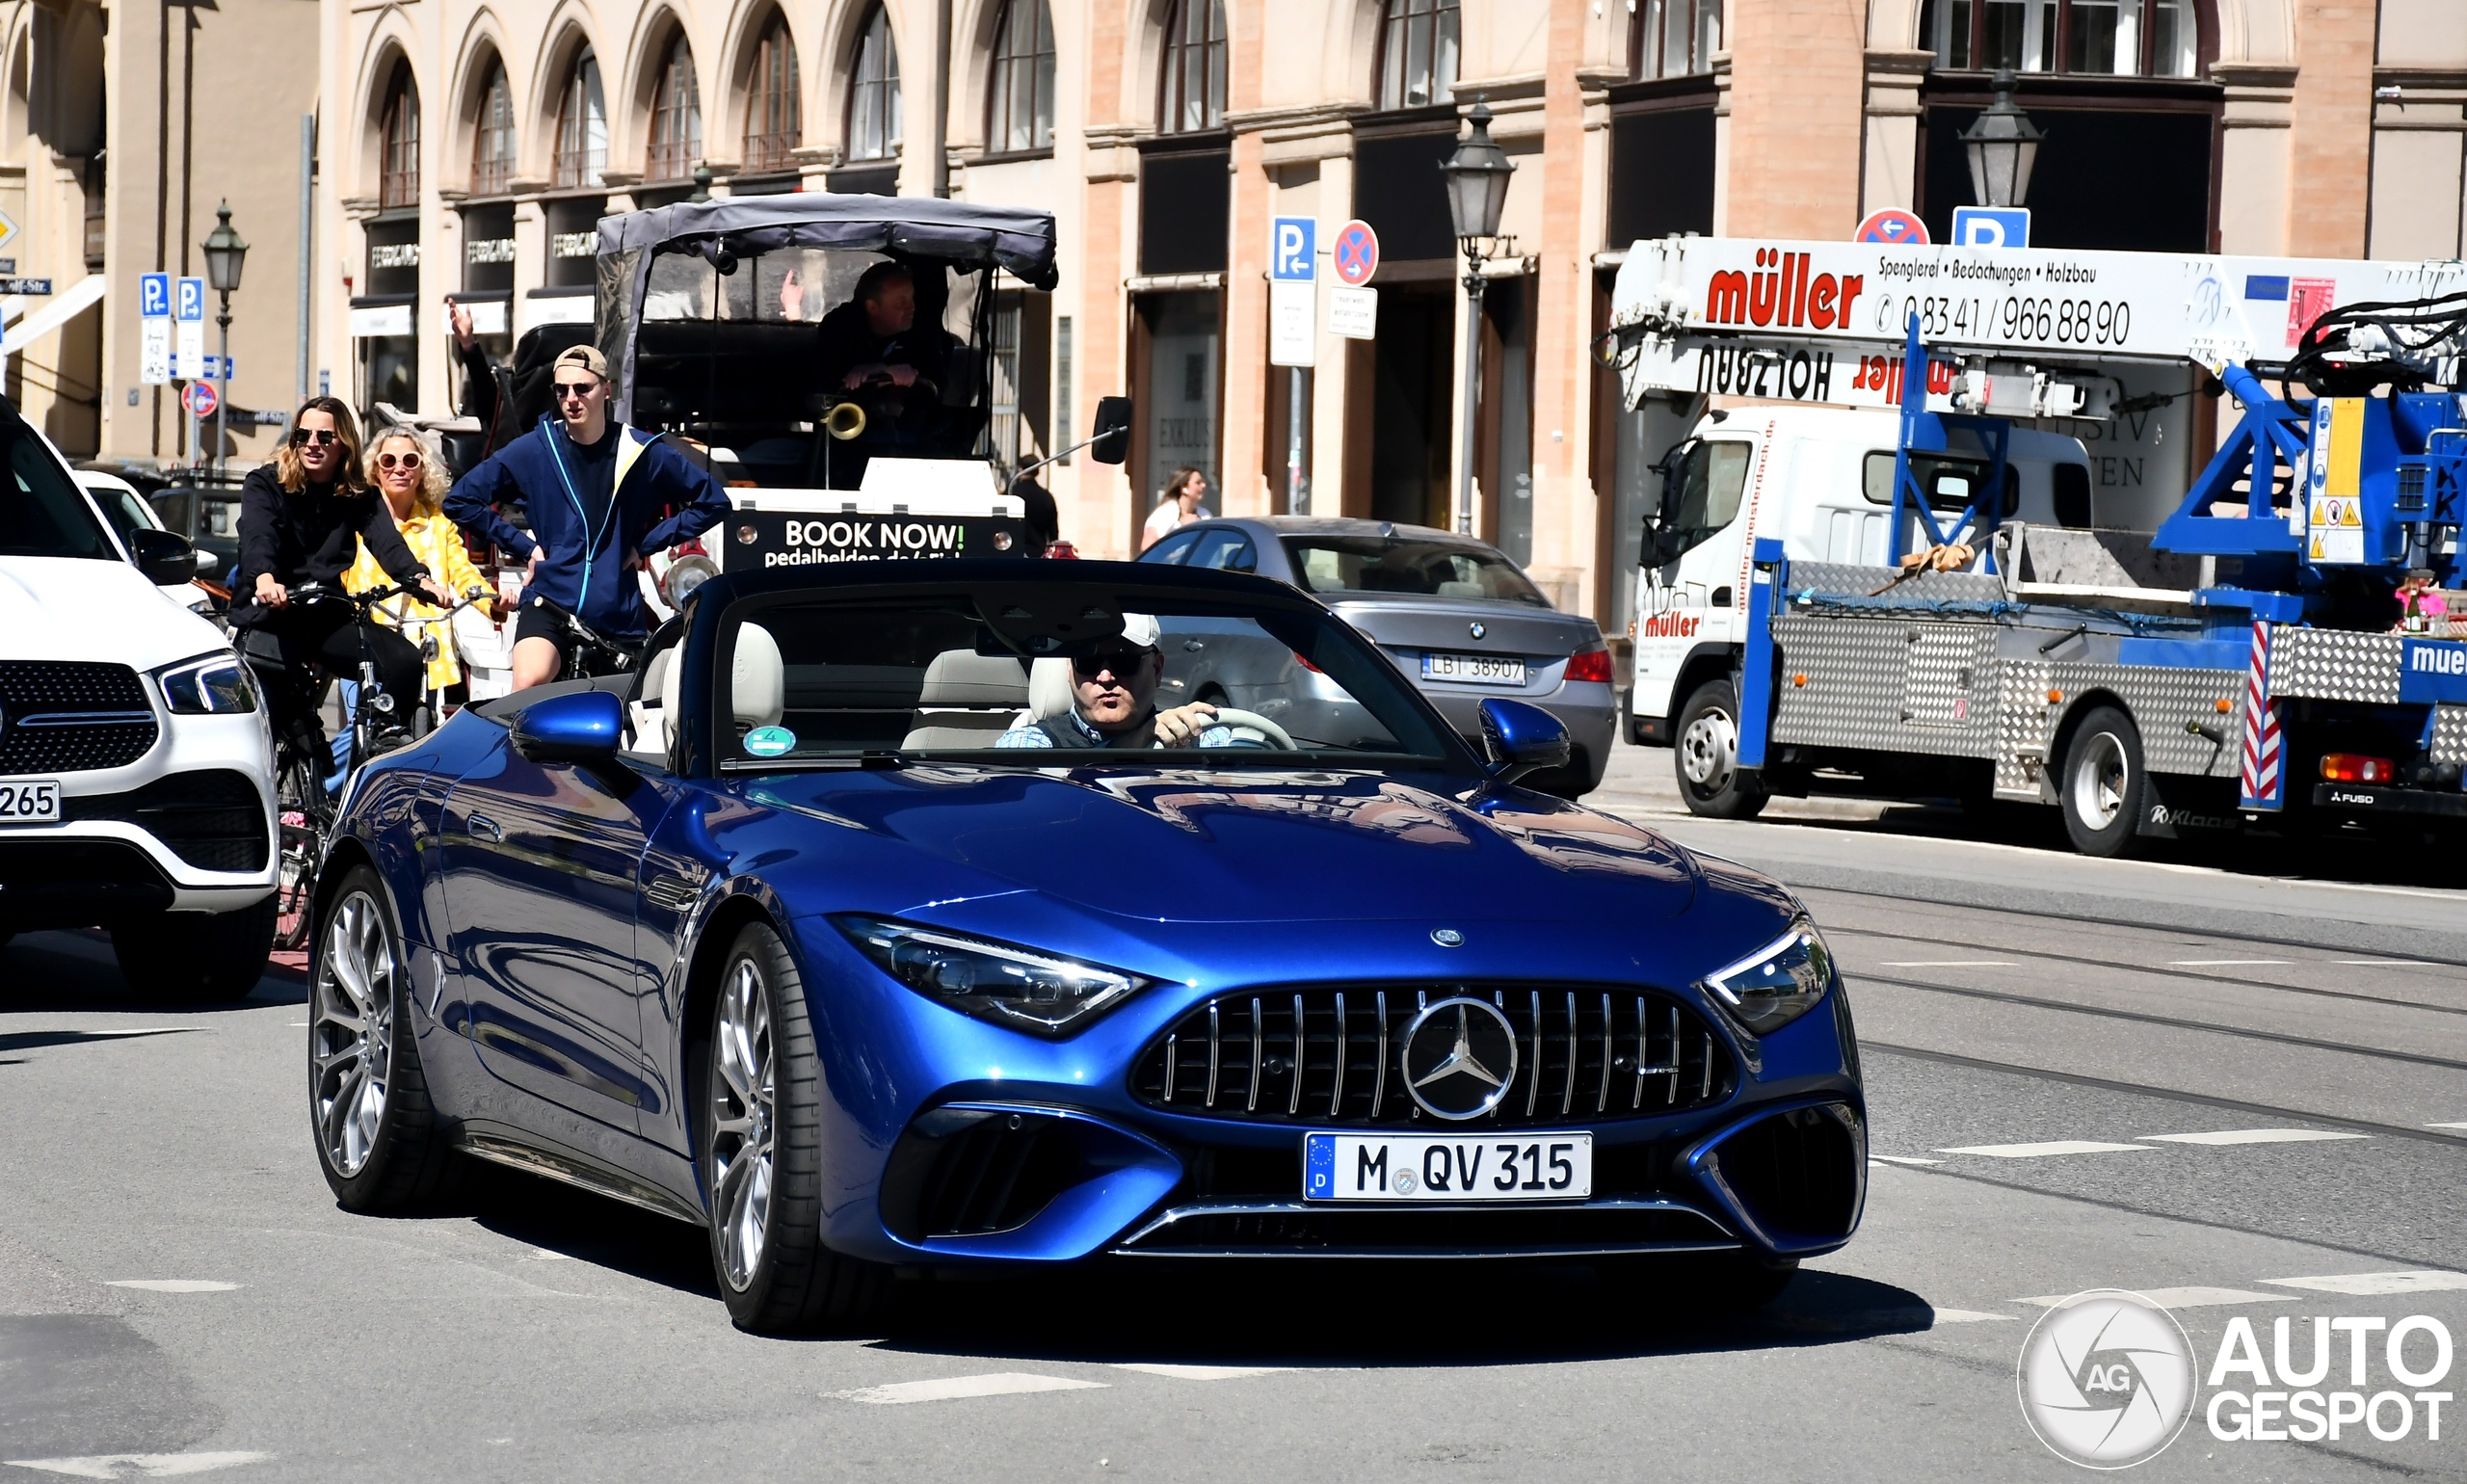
(132,841)
(1026,1151)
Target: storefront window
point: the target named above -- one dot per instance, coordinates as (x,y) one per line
(1184,359)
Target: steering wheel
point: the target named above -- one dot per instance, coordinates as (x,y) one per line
(1276,735)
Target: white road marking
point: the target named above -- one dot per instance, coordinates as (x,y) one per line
(172,1284)
(2050,1147)
(2386,962)
(300,1026)
(2225,963)
(2177,1298)
(1948,963)
(2446,1125)
(2365,1284)
(1203,1372)
(954,1388)
(136,1466)
(2253,1136)
(1967,1317)
(1899,1160)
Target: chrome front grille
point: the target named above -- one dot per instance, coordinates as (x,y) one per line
(1327,1056)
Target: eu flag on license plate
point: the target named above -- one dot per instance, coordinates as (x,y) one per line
(1318,1167)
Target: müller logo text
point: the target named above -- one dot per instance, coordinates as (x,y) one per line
(1781,292)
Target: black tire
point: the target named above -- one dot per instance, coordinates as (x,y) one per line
(775,1274)
(1704,749)
(2103,788)
(405,1162)
(196,958)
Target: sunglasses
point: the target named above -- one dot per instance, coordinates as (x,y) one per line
(321,437)
(1087,667)
(398,461)
(575,390)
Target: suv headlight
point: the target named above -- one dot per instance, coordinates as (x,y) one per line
(1776,984)
(1031,992)
(217,685)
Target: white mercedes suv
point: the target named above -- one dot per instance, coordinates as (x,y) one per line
(136,763)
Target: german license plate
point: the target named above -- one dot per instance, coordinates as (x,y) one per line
(1479,669)
(29,801)
(1440,1170)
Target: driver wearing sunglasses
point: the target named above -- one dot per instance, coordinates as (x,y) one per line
(1113,702)
(601,499)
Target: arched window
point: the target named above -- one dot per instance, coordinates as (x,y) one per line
(1019,111)
(398,169)
(492,133)
(582,126)
(774,101)
(676,117)
(1673,37)
(1194,72)
(873,93)
(1418,53)
(2094,38)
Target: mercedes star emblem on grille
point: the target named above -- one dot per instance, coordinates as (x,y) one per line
(1459,1058)
(1475,628)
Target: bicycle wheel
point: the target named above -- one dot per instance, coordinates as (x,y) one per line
(303,813)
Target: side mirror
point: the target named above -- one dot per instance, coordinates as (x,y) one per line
(1520,739)
(164,558)
(1110,443)
(578,726)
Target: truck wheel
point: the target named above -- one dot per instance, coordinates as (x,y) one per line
(196,958)
(2104,784)
(1706,750)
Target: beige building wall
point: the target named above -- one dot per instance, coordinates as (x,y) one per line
(117,143)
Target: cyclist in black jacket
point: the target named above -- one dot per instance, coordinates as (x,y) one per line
(301,519)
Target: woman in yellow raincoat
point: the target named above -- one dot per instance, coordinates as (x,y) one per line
(412,480)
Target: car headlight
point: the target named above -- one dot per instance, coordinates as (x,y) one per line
(1032,992)
(1776,984)
(217,685)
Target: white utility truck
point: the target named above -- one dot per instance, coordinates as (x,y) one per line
(1866,583)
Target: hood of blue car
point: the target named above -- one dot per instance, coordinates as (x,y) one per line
(1249,845)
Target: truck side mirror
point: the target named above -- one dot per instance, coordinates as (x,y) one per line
(1110,443)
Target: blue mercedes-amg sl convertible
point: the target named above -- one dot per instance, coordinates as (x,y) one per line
(912,915)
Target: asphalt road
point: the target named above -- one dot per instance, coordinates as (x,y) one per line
(2223,1082)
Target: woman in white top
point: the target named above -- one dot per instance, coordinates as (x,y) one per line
(1178,504)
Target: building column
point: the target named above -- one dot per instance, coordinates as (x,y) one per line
(1563,493)
(1889,166)
(2330,146)
(2255,160)
(1101,520)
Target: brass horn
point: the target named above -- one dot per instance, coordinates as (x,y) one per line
(844,421)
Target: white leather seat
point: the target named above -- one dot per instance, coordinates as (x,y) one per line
(966,700)
(1049,693)
(758,682)
(649,716)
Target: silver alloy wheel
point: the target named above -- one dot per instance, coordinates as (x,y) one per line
(741,1123)
(2101,775)
(351,1041)
(1709,750)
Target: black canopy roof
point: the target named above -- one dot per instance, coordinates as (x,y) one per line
(964,233)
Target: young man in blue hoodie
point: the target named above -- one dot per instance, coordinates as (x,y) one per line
(594,490)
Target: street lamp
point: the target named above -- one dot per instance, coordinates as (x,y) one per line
(2002,145)
(1476,174)
(225,254)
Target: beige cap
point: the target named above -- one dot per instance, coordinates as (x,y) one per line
(587,356)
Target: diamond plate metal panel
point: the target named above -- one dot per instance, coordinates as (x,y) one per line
(2449,734)
(2177,712)
(1888,684)
(2331,664)
(1833,577)
(2024,722)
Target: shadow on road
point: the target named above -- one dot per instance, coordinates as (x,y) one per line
(75,972)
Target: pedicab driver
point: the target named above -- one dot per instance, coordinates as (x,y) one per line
(1113,702)
(596,493)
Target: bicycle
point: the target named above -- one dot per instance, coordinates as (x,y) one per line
(594,653)
(302,758)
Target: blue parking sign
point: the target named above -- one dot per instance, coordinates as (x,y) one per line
(1293,249)
(191,297)
(1991,227)
(154,295)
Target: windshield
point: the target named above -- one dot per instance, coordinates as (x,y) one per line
(799,365)
(43,513)
(925,676)
(1413,566)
